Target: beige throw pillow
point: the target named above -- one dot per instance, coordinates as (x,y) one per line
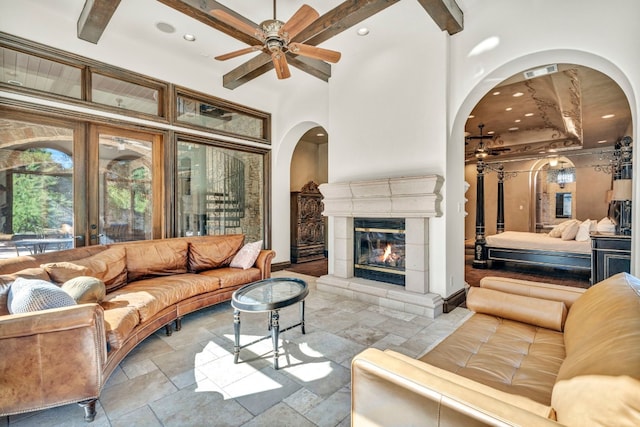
(571,231)
(246,257)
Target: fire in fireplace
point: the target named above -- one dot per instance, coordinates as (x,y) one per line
(379,249)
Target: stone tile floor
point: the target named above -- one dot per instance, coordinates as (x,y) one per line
(189,378)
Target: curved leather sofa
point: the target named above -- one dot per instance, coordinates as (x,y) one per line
(65,355)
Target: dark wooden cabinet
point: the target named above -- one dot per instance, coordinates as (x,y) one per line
(610,254)
(307,224)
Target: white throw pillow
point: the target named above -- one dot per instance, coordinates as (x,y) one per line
(558,229)
(570,232)
(246,257)
(605,225)
(584,230)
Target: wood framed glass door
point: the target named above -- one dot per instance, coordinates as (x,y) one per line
(125,187)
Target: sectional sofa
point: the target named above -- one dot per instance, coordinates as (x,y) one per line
(532,354)
(65,355)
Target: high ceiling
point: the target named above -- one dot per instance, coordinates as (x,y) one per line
(335,17)
(573,108)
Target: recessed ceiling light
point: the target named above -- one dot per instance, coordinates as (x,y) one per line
(189,37)
(528,115)
(491,132)
(602,141)
(514,128)
(320,134)
(496,93)
(608,116)
(552,150)
(508,109)
(471,116)
(517,94)
(541,152)
(165,27)
(362,31)
(517,120)
(14,82)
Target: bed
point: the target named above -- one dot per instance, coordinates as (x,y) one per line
(539,249)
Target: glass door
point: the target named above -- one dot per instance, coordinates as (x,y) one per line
(127,205)
(38,191)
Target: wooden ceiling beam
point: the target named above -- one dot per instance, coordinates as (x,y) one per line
(94,18)
(341,18)
(199,10)
(446,14)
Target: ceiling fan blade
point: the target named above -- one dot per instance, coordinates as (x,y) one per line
(238,53)
(299,21)
(314,52)
(280,64)
(238,24)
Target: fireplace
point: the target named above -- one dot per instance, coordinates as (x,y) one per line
(379,249)
(396,214)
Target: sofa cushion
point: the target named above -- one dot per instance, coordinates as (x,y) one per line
(28,295)
(7,279)
(597,400)
(109,266)
(156,258)
(534,311)
(119,321)
(568,295)
(209,252)
(85,289)
(602,331)
(510,356)
(150,296)
(230,277)
(247,256)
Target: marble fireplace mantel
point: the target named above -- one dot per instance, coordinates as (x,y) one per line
(416,199)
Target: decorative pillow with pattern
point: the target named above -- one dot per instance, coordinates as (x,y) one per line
(28,295)
(247,256)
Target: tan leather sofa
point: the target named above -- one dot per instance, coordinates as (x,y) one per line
(65,355)
(532,354)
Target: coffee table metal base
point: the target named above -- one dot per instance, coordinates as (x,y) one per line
(274,326)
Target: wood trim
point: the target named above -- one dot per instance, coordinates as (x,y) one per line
(280,266)
(454,300)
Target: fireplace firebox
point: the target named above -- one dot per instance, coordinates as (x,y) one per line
(379,249)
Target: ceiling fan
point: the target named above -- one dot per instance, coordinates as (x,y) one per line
(274,38)
(482,150)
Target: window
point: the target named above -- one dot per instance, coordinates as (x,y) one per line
(214,114)
(220,191)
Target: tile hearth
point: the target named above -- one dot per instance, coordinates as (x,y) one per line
(189,378)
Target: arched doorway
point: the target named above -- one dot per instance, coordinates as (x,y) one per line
(568,114)
(309,169)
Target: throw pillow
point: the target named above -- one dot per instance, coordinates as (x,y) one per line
(28,295)
(246,257)
(558,229)
(85,289)
(570,232)
(583,231)
(605,225)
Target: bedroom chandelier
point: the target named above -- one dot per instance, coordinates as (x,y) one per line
(564,176)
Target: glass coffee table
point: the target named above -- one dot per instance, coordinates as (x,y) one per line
(268,295)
